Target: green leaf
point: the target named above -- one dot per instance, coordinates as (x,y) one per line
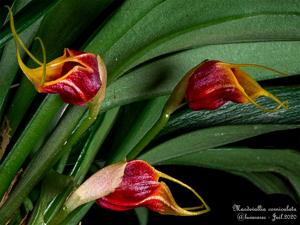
(74,18)
(158,27)
(28,140)
(268,182)
(16,6)
(19,4)
(239,114)
(160,77)
(36,9)
(143,121)
(40,164)
(204,139)
(284,162)
(126,118)
(187,120)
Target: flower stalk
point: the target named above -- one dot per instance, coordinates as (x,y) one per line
(208,86)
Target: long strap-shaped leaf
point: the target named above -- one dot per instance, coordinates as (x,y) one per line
(204,139)
(282,161)
(188,24)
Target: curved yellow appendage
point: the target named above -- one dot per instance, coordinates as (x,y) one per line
(31,75)
(44,60)
(190,210)
(18,40)
(259,66)
(250,89)
(283,104)
(193,208)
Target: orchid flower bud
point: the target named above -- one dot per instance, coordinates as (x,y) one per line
(213,83)
(76,76)
(132,184)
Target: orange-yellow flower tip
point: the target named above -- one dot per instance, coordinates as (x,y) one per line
(76,76)
(213,83)
(140,188)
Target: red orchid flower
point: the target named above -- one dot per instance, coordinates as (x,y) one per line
(76,76)
(132,184)
(213,83)
(208,86)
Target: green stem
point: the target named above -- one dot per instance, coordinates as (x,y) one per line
(76,216)
(155,129)
(57,213)
(173,103)
(60,217)
(93,144)
(60,167)
(87,155)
